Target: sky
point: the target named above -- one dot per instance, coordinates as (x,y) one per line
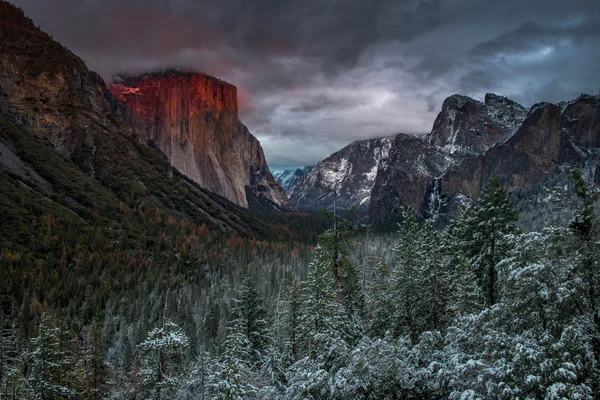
(315,75)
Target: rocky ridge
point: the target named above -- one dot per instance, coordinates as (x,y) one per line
(550,136)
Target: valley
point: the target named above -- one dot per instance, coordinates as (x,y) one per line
(148,251)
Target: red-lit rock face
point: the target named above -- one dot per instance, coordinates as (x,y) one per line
(193,119)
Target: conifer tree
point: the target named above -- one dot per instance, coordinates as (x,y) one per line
(434,281)
(250,313)
(162,356)
(585,228)
(289,323)
(381,303)
(479,235)
(405,280)
(52,362)
(318,308)
(465,294)
(199,383)
(231,379)
(95,364)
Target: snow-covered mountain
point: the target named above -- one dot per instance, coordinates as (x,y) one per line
(467,127)
(350,172)
(288,178)
(470,141)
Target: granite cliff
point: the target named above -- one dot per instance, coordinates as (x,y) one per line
(193,119)
(467,127)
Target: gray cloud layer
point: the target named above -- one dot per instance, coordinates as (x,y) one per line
(315,75)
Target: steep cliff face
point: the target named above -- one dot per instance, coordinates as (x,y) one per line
(467,127)
(470,141)
(409,177)
(193,119)
(350,172)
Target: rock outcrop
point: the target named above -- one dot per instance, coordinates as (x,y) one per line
(470,141)
(540,144)
(193,119)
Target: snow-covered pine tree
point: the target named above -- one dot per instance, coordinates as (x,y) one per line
(434,282)
(161,360)
(289,323)
(13,383)
(52,363)
(250,313)
(198,384)
(95,366)
(231,379)
(405,278)
(317,307)
(381,303)
(586,231)
(346,277)
(479,235)
(465,292)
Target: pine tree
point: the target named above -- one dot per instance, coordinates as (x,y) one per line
(52,362)
(466,297)
(346,281)
(317,319)
(479,235)
(586,230)
(289,324)
(198,385)
(162,356)
(234,368)
(405,279)
(13,383)
(95,364)
(381,303)
(251,314)
(434,282)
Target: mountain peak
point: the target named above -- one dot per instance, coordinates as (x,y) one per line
(466,126)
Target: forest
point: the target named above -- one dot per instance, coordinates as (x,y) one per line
(478,307)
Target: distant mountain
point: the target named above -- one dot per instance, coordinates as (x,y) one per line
(193,119)
(469,142)
(289,178)
(548,138)
(350,172)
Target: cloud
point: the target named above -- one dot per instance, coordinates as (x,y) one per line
(314,75)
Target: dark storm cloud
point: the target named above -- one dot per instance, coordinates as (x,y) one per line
(314,75)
